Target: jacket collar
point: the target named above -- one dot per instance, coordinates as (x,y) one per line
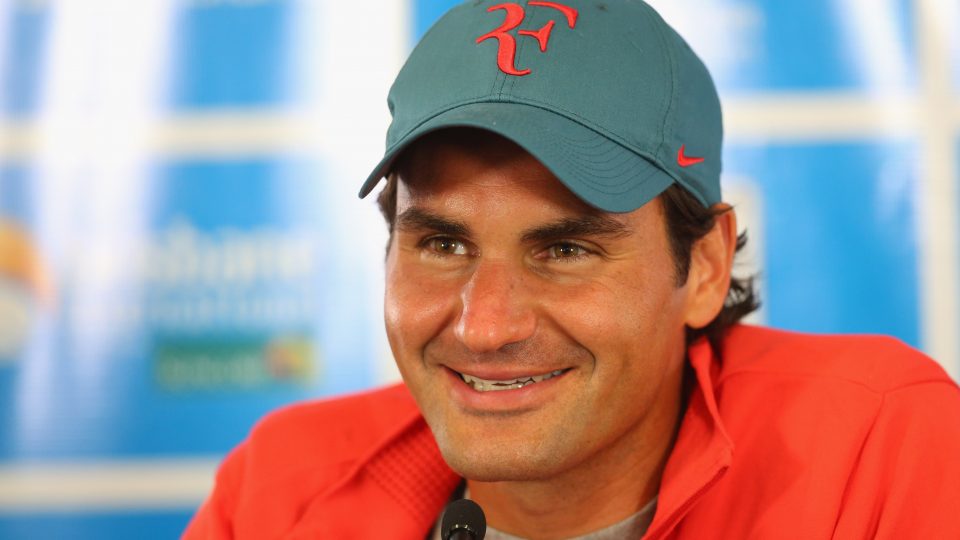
(703,450)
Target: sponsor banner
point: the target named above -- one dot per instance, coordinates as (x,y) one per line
(24,29)
(426,12)
(160,525)
(820,45)
(234,53)
(839,226)
(24,289)
(219,292)
(952,30)
(746,196)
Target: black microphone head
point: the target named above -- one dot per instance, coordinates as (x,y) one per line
(463,516)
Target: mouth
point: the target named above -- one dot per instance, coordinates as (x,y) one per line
(488,385)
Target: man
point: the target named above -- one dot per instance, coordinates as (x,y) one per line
(560,304)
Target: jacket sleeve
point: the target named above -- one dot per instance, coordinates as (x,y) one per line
(214,519)
(906,483)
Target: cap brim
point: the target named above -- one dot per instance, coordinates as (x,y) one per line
(600,171)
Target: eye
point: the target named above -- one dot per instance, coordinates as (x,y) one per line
(566,251)
(445,246)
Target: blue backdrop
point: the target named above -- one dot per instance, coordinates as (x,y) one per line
(154,308)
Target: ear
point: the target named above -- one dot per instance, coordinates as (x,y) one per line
(711,261)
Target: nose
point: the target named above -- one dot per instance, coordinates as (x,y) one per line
(495,309)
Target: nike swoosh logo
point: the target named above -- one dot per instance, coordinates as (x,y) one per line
(686,161)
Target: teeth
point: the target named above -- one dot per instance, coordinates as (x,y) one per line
(484,385)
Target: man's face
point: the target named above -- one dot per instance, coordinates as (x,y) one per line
(497,272)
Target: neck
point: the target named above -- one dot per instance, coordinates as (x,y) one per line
(609,488)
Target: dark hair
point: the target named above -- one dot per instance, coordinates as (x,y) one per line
(687,221)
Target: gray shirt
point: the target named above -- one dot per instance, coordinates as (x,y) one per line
(633,527)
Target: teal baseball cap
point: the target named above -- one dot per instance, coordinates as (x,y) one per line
(603,93)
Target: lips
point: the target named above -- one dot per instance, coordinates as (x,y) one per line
(515,383)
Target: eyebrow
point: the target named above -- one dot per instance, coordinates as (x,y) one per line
(588,225)
(416,219)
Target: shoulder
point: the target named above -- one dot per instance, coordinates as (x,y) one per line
(877,363)
(314,443)
(816,391)
(867,423)
(297,453)
(331,430)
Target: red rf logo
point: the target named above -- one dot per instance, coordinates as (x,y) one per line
(507,52)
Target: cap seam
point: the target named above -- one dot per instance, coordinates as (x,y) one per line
(667,107)
(504,78)
(497,74)
(501,80)
(521,46)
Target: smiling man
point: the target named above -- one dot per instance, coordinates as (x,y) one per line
(560,305)
(543,339)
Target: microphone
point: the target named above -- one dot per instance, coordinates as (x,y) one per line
(463,519)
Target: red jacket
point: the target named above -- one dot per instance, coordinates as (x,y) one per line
(790,436)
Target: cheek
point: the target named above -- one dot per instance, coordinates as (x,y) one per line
(416,309)
(628,317)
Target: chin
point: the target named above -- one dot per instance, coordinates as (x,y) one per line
(500,462)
